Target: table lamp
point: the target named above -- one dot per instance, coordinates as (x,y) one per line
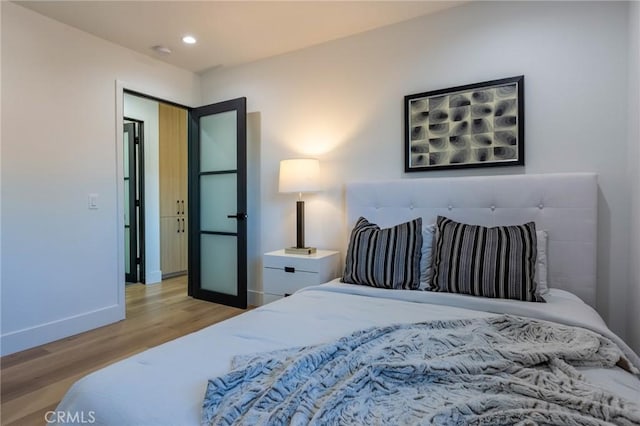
(299,175)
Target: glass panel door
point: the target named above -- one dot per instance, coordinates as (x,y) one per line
(133,200)
(217,186)
(130,231)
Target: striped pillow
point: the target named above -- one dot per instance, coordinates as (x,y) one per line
(386,258)
(494,262)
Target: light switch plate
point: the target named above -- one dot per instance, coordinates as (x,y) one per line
(93,201)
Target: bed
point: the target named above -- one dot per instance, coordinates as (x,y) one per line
(167,384)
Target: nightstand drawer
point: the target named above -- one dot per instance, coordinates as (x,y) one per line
(299,263)
(277,281)
(284,274)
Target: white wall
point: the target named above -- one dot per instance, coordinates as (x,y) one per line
(254,214)
(342,102)
(0,171)
(634,173)
(147,111)
(61,261)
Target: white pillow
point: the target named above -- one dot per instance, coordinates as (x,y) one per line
(428,234)
(541,271)
(541,274)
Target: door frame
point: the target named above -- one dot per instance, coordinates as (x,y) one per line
(193,167)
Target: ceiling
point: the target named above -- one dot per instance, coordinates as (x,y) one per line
(232,32)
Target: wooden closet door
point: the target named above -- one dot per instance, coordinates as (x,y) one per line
(172,174)
(173,189)
(184,246)
(170,242)
(183,187)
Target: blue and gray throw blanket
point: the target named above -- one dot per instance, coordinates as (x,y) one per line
(490,371)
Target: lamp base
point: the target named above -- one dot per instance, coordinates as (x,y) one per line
(300,250)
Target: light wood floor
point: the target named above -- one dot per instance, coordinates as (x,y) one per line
(34,381)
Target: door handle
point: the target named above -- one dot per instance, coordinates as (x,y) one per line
(183,226)
(182,207)
(178,207)
(178,231)
(239,216)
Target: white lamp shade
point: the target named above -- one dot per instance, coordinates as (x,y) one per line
(299,175)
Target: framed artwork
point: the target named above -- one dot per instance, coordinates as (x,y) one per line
(477,125)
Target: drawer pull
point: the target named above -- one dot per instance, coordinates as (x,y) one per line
(290,269)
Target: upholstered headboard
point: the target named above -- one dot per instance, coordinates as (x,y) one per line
(565,205)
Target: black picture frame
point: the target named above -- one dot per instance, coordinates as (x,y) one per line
(476,125)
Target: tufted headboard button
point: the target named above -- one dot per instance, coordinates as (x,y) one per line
(493,208)
(450,207)
(541,206)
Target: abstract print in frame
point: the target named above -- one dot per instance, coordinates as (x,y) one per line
(477,125)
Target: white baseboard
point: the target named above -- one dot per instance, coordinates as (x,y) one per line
(254,298)
(27,338)
(152,277)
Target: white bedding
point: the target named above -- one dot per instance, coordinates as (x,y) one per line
(166,384)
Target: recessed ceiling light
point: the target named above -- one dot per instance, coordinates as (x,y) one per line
(189,39)
(163,50)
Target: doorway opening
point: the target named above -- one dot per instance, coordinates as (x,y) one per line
(162,175)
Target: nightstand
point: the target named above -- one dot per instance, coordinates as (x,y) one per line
(284,274)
